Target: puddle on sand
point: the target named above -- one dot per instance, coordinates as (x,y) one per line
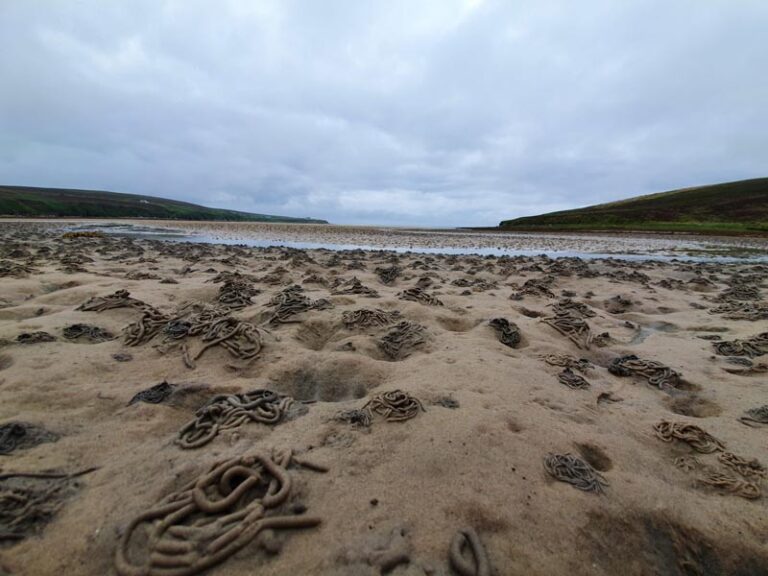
(134,231)
(645,330)
(533,245)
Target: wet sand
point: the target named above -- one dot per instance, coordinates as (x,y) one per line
(435,240)
(395,493)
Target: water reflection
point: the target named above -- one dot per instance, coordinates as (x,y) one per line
(706,252)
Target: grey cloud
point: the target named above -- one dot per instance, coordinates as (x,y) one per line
(432,113)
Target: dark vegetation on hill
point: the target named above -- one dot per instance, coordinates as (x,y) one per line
(23,201)
(732,207)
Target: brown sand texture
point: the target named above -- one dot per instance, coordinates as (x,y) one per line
(463,471)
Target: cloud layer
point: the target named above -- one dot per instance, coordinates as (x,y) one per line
(440,112)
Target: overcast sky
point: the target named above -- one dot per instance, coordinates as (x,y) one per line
(435,113)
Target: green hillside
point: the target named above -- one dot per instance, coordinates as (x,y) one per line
(23,201)
(732,207)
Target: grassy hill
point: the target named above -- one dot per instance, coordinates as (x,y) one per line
(733,207)
(23,201)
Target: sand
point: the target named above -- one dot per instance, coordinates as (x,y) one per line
(394,489)
(453,240)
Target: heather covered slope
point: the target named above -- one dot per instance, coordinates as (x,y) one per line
(730,207)
(25,201)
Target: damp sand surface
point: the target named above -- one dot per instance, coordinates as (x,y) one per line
(440,241)
(395,491)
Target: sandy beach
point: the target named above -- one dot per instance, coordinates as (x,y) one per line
(365,412)
(430,240)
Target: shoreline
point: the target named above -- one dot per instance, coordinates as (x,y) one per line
(497,243)
(472,229)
